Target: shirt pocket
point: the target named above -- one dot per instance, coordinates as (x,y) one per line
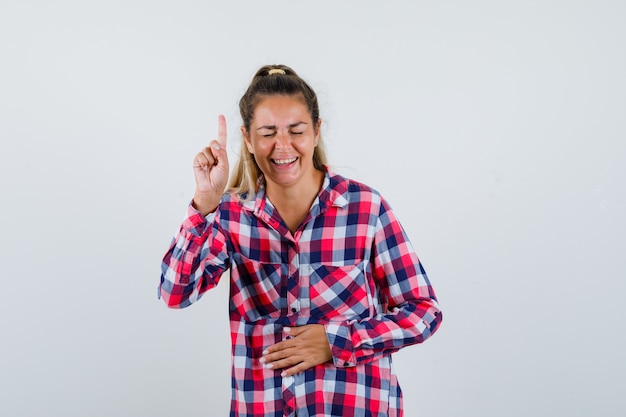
(258,289)
(340,292)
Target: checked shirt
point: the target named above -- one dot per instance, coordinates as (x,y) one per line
(349,266)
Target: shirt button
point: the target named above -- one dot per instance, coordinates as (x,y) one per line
(288,410)
(294,310)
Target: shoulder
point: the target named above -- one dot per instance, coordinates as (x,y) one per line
(233,206)
(354,192)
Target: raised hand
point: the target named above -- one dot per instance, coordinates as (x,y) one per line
(307,348)
(210,168)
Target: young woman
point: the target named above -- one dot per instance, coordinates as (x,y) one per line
(324,283)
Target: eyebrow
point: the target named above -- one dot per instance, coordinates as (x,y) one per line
(272,127)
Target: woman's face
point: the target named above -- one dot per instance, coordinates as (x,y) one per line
(282,139)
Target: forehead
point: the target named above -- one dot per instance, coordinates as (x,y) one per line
(279,110)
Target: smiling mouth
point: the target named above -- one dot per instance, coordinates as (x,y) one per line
(283,162)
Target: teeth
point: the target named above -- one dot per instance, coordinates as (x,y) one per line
(284,161)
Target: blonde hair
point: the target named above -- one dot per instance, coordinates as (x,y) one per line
(271,80)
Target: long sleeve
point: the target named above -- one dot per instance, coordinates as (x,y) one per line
(195,260)
(410,312)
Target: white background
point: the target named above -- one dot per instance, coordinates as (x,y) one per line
(496,129)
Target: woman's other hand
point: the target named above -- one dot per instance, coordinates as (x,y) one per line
(307,347)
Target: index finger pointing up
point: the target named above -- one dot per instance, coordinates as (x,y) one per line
(221,130)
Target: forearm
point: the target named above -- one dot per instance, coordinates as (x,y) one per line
(193,263)
(362,341)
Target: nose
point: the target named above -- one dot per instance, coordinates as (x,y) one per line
(283,141)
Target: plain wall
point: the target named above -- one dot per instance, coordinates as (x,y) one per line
(496,130)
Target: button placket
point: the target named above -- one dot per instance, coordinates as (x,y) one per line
(293,293)
(288,396)
(295,306)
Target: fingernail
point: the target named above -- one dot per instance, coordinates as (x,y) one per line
(287,329)
(268,366)
(283,374)
(265,352)
(216,146)
(262,360)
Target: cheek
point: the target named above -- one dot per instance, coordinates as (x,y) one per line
(261,146)
(307,147)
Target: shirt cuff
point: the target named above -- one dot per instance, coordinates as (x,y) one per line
(196,223)
(341,347)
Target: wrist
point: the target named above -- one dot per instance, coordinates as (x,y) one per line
(204,204)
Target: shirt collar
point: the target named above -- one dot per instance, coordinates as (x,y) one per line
(334,190)
(334,193)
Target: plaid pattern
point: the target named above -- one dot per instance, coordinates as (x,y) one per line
(349,267)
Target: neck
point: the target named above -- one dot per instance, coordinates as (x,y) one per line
(294,202)
(297,193)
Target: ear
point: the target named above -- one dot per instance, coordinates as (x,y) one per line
(246,138)
(318,131)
